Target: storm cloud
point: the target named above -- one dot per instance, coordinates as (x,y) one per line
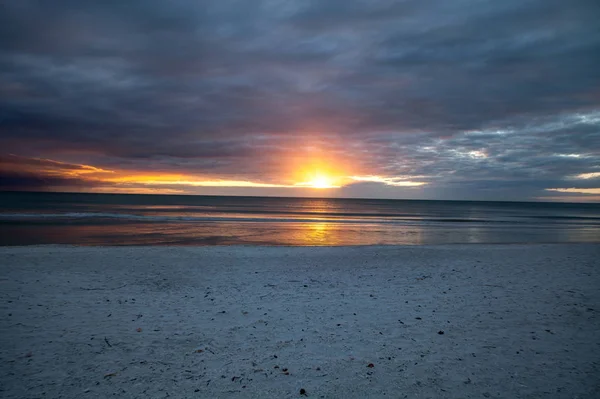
(476,99)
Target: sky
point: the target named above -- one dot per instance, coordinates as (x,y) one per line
(416,99)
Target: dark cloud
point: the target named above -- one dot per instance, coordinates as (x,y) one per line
(35,174)
(475,96)
(19,181)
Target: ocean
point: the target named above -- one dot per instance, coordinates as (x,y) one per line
(126,219)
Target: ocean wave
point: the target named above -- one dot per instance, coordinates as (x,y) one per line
(115,217)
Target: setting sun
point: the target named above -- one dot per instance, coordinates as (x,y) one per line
(319,181)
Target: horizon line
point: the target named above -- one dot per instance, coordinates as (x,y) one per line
(294,197)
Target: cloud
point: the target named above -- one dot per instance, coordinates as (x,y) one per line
(402,181)
(47,166)
(24,181)
(591,175)
(576,190)
(33,174)
(500,99)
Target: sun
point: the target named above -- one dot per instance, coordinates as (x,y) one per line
(320,181)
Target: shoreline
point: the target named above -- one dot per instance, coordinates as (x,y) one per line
(517,320)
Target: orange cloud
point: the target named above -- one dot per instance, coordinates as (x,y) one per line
(49,166)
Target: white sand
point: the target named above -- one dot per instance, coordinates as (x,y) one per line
(518,322)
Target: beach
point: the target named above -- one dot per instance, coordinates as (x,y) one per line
(446,321)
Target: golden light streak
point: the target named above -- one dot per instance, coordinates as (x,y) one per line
(211,183)
(182,180)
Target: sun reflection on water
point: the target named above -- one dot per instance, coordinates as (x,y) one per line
(319,233)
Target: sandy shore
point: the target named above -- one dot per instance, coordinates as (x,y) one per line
(211,322)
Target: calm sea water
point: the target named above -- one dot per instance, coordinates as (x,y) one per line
(111,219)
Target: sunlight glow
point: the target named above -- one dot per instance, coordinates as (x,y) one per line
(174,181)
(319,181)
(318,233)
